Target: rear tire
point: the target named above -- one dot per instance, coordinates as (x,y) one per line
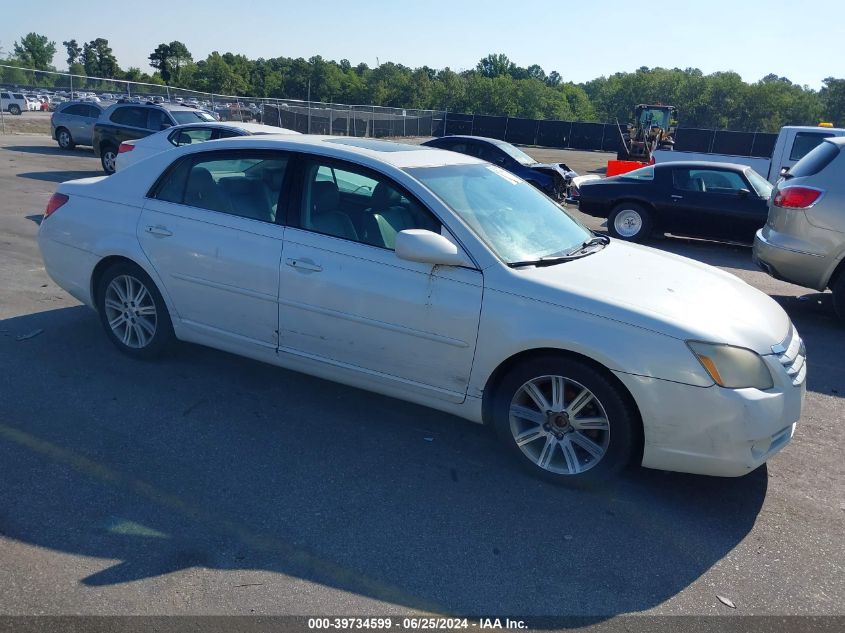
(133,312)
(15,109)
(838,289)
(565,420)
(108,157)
(629,221)
(64,139)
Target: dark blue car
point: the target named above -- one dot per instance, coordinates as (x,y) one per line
(553,179)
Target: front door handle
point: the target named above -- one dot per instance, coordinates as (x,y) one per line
(676,197)
(159,231)
(305,265)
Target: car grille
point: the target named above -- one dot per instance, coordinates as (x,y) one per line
(792,354)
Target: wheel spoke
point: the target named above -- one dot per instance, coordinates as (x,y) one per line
(147,311)
(529,415)
(589,424)
(569,455)
(558,384)
(579,402)
(145,325)
(117,321)
(587,444)
(115,286)
(536,395)
(127,334)
(140,337)
(140,295)
(548,452)
(526,437)
(114,305)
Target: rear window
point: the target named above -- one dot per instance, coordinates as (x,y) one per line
(815,161)
(804,142)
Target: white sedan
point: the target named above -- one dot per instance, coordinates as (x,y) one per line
(440,279)
(131,152)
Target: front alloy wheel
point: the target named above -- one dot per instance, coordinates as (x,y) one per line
(108,160)
(559,425)
(565,419)
(65,140)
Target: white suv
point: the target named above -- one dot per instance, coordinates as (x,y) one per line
(13,102)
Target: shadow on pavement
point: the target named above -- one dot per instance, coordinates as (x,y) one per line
(207,459)
(50,150)
(59,176)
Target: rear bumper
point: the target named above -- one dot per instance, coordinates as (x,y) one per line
(712,430)
(67,265)
(784,257)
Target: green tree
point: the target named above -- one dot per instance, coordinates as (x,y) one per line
(99,60)
(74,51)
(495,65)
(35,51)
(832,98)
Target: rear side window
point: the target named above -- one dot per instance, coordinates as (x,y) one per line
(76,110)
(94,112)
(643,173)
(245,184)
(191,135)
(132,117)
(815,161)
(4,95)
(804,142)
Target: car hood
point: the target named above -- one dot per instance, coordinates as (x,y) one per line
(662,292)
(560,168)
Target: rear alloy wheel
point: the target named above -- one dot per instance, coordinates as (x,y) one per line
(565,421)
(108,157)
(132,311)
(14,109)
(64,139)
(629,221)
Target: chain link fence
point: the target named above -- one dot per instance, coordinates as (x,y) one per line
(310,117)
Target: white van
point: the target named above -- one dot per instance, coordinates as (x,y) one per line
(793,142)
(13,102)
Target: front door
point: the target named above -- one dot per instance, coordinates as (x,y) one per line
(345,298)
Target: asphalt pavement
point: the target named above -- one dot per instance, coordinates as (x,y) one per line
(206,483)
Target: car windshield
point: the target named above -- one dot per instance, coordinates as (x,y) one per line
(515,220)
(760,184)
(517,154)
(190,116)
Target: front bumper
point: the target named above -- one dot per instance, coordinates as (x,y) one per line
(784,257)
(713,430)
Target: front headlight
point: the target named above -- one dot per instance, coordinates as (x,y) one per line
(732,367)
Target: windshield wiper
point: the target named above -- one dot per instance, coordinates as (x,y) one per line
(577,253)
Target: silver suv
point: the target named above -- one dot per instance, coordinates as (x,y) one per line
(803,241)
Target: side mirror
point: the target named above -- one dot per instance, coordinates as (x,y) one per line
(426,247)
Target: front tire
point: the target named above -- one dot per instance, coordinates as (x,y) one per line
(64,139)
(15,109)
(629,221)
(565,421)
(133,312)
(108,158)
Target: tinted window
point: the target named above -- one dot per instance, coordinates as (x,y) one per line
(132,117)
(4,95)
(708,180)
(643,173)
(489,153)
(94,112)
(816,160)
(246,184)
(804,142)
(157,120)
(76,110)
(356,204)
(191,116)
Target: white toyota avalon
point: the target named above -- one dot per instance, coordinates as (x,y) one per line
(439,279)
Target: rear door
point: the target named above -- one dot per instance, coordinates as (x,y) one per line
(211,233)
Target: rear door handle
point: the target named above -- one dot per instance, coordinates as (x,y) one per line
(676,197)
(159,231)
(303,265)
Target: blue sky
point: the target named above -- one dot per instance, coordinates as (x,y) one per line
(581,40)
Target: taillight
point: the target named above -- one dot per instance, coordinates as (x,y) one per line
(125,147)
(56,201)
(797,197)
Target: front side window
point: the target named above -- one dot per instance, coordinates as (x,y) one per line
(158,120)
(355,204)
(708,180)
(517,154)
(515,220)
(242,183)
(804,142)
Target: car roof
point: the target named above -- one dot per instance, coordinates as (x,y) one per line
(700,164)
(252,128)
(399,155)
(486,139)
(836,140)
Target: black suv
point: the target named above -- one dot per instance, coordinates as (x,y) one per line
(125,121)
